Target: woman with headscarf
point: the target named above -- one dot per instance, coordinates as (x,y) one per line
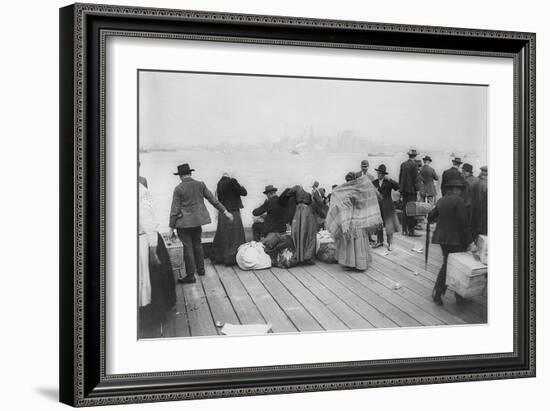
(353,213)
(229,234)
(304,223)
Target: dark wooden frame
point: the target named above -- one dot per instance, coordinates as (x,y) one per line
(83,29)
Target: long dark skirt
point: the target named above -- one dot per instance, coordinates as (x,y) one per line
(229,236)
(163,295)
(304,233)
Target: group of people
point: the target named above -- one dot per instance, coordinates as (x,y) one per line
(361,206)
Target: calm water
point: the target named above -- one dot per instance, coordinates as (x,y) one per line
(256,169)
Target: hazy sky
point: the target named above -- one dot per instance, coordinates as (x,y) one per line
(185,108)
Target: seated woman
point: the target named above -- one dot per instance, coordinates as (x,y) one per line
(353,213)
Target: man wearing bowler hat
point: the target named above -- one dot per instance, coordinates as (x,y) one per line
(428,177)
(452,173)
(187,215)
(275,213)
(408,187)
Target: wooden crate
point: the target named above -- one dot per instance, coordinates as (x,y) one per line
(466,276)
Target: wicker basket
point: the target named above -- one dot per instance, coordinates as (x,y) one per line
(175,252)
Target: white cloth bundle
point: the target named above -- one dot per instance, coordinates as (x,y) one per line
(251,256)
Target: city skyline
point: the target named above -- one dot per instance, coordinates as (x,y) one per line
(179,110)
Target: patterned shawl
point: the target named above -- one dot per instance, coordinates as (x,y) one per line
(353,206)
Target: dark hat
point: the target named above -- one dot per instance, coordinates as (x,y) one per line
(457,160)
(184,169)
(364,163)
(381,169)
(455,182)
(269,188)
(467,167)
(427,158)
(483,168)
(412,152)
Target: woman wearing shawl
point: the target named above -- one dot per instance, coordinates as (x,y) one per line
(304,223)
(353,213)
(229,234)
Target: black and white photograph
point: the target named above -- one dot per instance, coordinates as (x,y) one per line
(285,204)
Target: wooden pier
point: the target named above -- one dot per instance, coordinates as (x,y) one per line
(394,292)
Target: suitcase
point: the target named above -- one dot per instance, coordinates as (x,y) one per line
(175,252)
(466,276)
(417,209)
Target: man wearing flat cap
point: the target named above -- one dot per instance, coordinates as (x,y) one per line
(187,215)
(275,214)
(452,173)
(428,176)
(408,187)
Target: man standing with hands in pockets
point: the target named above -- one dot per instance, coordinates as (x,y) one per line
(187,216)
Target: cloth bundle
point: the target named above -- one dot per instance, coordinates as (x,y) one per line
(251,256)
(353,206)
(286,258)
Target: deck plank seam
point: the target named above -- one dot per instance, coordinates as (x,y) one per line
(344,285)
(298,300)
(343,320)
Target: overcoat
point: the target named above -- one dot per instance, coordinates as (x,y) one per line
(452,223)
(452,173)
(408,177)
(428,176)
(387,207)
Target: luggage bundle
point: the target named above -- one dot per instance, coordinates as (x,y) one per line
(466,276)
(280,247)
(251,256)
(326,247)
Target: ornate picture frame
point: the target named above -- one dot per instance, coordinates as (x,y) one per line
(84,29)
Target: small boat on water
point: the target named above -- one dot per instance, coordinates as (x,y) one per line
(381,155)
(295,152)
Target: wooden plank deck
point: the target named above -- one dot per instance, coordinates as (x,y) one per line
(394,292)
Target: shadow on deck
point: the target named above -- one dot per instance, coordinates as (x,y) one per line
(394,292)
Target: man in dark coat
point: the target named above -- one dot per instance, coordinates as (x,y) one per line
(428,175)
(479,203)
(452,173)
(187,214)
(408,187)
(452,232)
(275,214)
(471,180)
